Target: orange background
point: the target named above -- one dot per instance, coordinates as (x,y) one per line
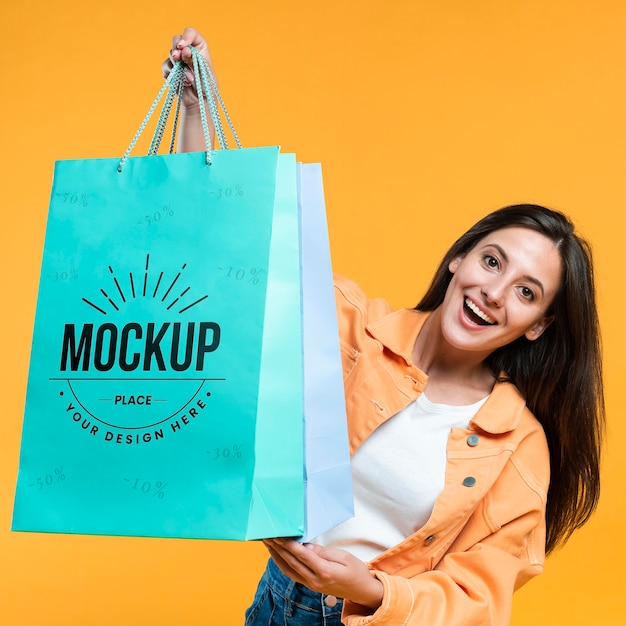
(425,115)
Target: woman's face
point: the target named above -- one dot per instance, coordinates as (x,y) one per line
(501,290)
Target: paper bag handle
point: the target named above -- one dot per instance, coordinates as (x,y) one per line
(206,86)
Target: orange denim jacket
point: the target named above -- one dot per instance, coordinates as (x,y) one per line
(486,534)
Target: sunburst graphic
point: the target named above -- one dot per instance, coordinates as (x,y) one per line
(139,286)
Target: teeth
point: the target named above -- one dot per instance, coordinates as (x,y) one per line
(477,311)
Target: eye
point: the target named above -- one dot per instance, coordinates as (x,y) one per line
(491,261)
(527,293)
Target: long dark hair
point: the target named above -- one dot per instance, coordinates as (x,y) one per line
(560,374)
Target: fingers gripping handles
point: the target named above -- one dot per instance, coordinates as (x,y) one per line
(208,93)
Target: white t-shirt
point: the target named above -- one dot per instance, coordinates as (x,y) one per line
(397,474)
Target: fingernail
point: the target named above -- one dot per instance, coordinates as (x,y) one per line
(181,44)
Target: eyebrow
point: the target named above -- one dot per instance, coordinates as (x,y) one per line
(504,255)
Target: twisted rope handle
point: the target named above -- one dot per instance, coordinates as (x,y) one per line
(202,94)
(163,117)
(179,97)
(209,86)
(173,76)
(206,87)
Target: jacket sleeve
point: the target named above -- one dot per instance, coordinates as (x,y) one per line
(471,588)
(499,548)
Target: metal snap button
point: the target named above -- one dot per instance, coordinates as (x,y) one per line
(473,440)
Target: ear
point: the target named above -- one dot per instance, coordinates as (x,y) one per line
(453,266)
(537,330)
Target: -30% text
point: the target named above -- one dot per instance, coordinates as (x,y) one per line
(71,274)
(218,454)
(227,192)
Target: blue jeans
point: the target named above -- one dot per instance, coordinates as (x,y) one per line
(279,601)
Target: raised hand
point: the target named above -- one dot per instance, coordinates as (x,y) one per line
(191,138)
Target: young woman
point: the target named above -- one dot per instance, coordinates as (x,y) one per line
(475,422)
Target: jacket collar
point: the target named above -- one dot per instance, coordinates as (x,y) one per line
(398,332)
(502,411)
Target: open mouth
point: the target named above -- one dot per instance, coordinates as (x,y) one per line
(476,315)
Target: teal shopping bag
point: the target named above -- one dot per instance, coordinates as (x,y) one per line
(145,394)
(277,506)
(141,407)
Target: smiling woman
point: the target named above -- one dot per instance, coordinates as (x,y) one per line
(474,420)
(561,375)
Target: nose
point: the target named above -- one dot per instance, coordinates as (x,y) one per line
(493,292)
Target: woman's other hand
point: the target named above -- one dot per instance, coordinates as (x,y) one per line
(327,570)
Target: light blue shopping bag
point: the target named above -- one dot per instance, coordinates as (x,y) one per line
(328,477)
